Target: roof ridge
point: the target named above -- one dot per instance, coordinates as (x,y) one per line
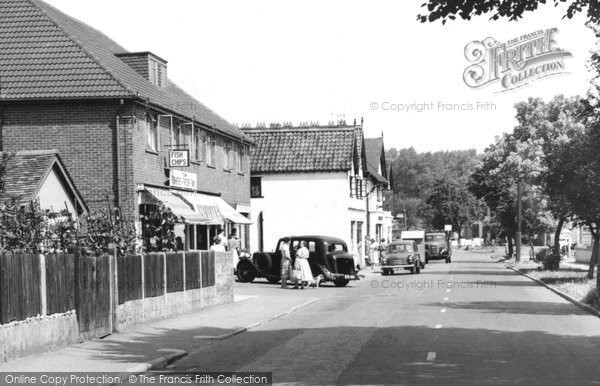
(251,130)
(37,152)
(77,42)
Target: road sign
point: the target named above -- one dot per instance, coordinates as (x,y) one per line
(448,228)
(179,158)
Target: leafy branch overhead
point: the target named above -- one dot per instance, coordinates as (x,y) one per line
(445,10)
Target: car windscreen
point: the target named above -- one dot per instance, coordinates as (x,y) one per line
(435,238)
(399,248)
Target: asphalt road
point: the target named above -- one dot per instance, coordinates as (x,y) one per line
(471,321)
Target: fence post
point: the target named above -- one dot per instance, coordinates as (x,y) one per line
(143,281)
(114,288)
(164,292)
(200,278)
(43,287)
(184,278)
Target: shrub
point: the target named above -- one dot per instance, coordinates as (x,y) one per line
(549,259)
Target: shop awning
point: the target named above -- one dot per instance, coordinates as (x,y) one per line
(203,205)
(216,208)
(176,204)
(229,213)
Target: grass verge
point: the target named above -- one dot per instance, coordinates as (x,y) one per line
(572,281)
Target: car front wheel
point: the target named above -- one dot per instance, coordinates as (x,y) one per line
(341,282)
(245,275)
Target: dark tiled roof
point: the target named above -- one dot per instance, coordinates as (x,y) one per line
(373,150)
(46,54)
(302,149)
(25,172)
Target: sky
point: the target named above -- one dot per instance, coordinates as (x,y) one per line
(305,61)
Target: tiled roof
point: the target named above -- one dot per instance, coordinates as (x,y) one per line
(25,172)
(373,150)
(302,149)
(46,54)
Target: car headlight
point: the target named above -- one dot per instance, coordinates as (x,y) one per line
(409,259)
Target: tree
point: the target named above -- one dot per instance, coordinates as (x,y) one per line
(445,10)
(414,174)
(452,203)
(411,208)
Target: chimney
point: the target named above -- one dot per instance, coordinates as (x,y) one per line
(148,65)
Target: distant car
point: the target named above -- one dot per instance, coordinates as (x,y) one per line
(328,256)
(401,255)
(436,247)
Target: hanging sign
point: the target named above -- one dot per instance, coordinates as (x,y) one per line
(179,158)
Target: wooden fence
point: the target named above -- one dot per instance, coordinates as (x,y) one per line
(32,285)
(156,274)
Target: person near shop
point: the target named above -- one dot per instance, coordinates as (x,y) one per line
(302,266)
(374,249)
(286,262)
(233,245)
(222,237)
(217,246)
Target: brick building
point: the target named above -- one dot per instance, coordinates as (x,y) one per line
(113,116)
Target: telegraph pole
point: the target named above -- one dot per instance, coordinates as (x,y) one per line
(519,210)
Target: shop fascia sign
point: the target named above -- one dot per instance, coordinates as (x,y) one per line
(179,179)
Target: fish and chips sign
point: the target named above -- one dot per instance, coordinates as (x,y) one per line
(516,62)
(179,179)
(179,158)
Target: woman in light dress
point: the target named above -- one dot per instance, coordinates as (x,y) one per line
(301,264)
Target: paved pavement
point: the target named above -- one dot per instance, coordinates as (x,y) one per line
(135,349)
(472,321)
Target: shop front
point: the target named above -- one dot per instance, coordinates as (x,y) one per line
(200,217)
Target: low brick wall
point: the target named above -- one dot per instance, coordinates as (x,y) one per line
(173,304)
(38,334)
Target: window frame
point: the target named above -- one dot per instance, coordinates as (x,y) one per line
(253,186)
(152,130)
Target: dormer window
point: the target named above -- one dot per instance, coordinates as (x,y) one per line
(148,65)
(158,73)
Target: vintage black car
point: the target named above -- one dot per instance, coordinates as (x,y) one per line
(328,256)
(437,246)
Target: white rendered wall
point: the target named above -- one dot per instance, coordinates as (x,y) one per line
(304,203)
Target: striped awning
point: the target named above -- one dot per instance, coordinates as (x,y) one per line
(174,202)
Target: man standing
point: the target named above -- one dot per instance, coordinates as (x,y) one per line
(286,261)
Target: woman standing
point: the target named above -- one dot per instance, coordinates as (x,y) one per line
(301,264)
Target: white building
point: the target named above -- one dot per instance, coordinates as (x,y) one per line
(308,180)
(379,222)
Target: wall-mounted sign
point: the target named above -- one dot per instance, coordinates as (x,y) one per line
(179,179)
(179,158)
